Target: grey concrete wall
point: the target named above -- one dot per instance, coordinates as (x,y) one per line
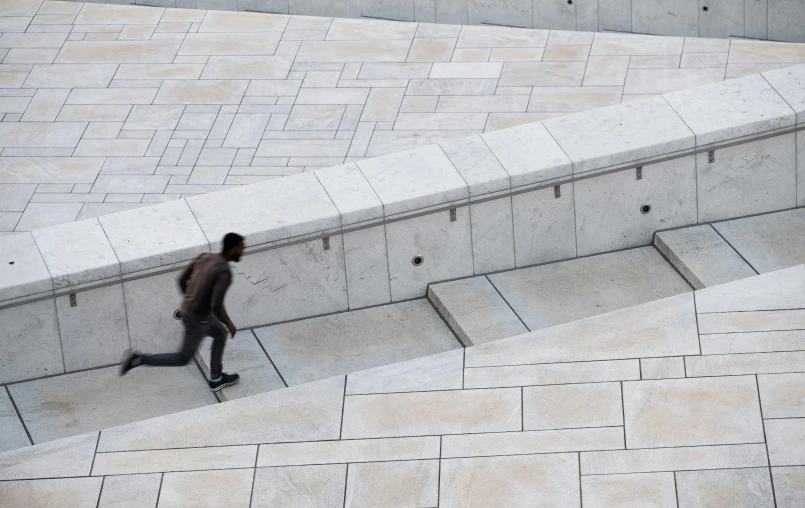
(777,20)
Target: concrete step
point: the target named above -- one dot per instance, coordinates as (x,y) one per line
(712,254)
(702,256)
(487,308)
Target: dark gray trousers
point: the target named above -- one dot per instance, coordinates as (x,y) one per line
(194,333)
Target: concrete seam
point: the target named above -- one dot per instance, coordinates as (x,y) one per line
(507,303)
(269,358)
(734,249)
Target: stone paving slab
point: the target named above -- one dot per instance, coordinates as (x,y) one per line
(702,256)
(339,344)
(96,399)
(352,95)
(556,293)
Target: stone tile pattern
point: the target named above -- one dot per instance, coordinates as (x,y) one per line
(106,108)
(592,431)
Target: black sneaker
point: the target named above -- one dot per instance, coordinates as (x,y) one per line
(131,359)
(224,381)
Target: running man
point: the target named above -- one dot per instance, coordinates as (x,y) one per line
(204,284)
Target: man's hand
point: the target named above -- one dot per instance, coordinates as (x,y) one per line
(232,330)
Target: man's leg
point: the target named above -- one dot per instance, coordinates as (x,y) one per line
(194,333)
(218,332)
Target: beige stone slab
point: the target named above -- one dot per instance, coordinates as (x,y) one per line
(552,373)
(662,368)
(783,289)
(531,442)
(353,51)
(692,412)
(234,22)
(634,44)
(19,8)
(430,413)
(704,60)
(41,134)
(789,486)
(662,328)
(247,67)
(782,395)
(501,37)
(300,486)
(739,488)
(572,406)
(753,342)
(542,74)
(388,142)
(748,363)
(655,62)
(638,490)
(314,410)
(31,56)
(159,71)
(518,481)
(49,169)
(349,451)
(52,493)
(671,459)
(471,55)
(369,29)
(443,371)
(63,458)
(569,53)
(93,113)
(104,14)
(658,81)
(121,96)
(574,98)
(117,52)
(497,121)
(516,54)
(130,491)
(483,104)
(406,483)
(383,104)
(71,76)
(201,92)
(431,50)
(187,459)
(763,52)
(749,321)
(229,44)
(206,489)
(32,40)
(786,441)
(112,147)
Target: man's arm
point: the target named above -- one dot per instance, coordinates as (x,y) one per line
(222,283)
(184,278)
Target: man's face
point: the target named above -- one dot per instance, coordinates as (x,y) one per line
(237,252)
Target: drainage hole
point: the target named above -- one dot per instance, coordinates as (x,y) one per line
(417,260)
(645,209)
(569,2)
(11,262)
(705,8)
(177,314)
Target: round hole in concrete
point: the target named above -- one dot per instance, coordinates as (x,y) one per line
(569,2)
(705,8)
(644,209)
(11,262)
(177,314)
(417,260)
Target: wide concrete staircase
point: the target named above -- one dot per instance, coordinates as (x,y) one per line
(693,399)
(464,312)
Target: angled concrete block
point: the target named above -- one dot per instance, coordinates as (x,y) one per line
(702,256)
(475,310)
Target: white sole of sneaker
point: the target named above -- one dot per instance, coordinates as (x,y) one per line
(221,387)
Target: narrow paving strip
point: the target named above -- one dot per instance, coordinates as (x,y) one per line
(106,108)
(649,403)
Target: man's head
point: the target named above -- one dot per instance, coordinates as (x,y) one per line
(233,247)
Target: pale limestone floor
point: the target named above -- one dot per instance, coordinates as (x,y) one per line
(106,108)
(621,409)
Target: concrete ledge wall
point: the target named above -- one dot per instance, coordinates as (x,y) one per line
(344,237)
(778,20)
